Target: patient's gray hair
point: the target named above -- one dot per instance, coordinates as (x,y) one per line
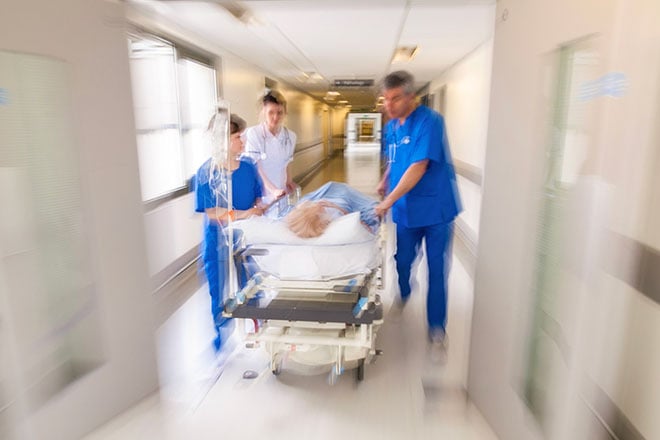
(308,220)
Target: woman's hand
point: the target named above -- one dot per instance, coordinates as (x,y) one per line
(256,210)
(290,186)
(277,193)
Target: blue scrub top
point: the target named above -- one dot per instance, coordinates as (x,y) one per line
(434,199)
(246,189)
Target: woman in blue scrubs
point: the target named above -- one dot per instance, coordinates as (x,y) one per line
(420,187)
(210,188)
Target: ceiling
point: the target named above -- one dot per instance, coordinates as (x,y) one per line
(309,44)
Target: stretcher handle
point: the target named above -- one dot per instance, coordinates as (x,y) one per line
(268,206)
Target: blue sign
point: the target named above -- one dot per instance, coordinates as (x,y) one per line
(613,84)
(4,96)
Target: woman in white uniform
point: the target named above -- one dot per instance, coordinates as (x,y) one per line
(271,145)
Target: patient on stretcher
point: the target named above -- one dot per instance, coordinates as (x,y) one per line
(315,211)
(345,241)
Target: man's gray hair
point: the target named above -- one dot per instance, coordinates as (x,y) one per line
(400,78)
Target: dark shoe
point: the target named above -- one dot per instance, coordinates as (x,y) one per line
(396,311)
(438,346)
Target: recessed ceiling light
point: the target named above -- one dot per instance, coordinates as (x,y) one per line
(311,76)
(403,54)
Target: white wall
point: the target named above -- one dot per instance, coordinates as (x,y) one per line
(304,115)
(243,87)
(89,37)
(609,329)
(467,94)
(467,100)
(630,156)
(338,118)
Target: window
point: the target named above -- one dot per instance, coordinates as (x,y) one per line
(197,84)
(173,97)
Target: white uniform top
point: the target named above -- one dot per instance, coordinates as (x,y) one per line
(273,153)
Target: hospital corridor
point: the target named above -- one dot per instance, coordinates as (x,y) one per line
(323,219)
(404,394)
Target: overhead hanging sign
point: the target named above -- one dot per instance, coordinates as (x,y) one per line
(354,82)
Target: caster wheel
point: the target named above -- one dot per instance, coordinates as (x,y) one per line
(360,370)
(276,365)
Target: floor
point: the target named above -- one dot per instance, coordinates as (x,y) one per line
(404,394)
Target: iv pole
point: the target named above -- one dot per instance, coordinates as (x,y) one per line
(221,155)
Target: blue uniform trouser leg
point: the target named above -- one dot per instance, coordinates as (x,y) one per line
(407,245)
(216,268)
(438,253)
(216,271)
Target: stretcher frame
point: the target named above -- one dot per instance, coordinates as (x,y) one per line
(292,315)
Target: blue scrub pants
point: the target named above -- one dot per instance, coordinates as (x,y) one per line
(216,268)
(438,253)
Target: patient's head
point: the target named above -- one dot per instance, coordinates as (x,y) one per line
(308,220)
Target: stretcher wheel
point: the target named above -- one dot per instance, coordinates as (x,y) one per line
(276,364)
(360,370)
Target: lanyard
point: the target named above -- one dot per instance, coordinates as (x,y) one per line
(287,139)
(393,146)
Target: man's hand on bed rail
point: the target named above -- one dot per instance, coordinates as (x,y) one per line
(382,208)
(381,189)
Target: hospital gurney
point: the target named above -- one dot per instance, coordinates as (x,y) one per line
(315,303)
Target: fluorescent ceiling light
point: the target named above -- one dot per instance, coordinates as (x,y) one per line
(314,76)
(404,54)
(333,93)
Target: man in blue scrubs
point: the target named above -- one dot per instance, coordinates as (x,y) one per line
(419,185)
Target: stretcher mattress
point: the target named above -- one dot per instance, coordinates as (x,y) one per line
(346,247)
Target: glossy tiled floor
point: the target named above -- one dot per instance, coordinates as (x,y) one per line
(404,394)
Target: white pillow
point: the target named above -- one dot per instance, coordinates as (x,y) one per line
(346,229)
(263,230)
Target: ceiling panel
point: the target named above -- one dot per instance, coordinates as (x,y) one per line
(290,39)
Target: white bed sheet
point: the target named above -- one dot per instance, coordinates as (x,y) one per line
(315,262)
(346,247)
